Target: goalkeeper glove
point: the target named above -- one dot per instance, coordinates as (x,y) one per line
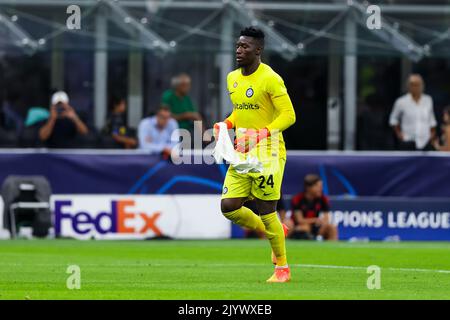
(250,139)
(217,127)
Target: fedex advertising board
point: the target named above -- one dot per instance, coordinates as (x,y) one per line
(139,217)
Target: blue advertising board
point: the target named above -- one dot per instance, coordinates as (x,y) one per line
(356,174)
(392,219)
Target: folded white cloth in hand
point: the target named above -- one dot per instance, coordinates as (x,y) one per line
(224,150)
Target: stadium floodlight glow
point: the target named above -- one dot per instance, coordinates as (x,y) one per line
(275,40)
(23,39)
(391,35)
(427,50)
(150,39)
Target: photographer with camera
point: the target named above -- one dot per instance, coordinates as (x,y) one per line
(63,125)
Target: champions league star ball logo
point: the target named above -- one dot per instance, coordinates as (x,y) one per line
(249,92)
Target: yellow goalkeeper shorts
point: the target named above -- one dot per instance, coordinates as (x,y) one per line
(265,185)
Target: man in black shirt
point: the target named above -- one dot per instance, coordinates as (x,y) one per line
(310,212)
(63,125)
(116,125)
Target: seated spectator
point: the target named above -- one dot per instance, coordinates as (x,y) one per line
(63,125)
(180,103)
(116,125)
(445,132)
(159,134)
(310,213)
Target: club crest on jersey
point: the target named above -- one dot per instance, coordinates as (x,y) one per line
(249,92)
(235,84)
(225,190)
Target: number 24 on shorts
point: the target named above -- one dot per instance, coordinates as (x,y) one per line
(263,180)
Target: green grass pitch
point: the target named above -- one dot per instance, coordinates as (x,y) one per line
(228,269)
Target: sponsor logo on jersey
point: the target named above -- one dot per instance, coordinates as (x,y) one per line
(246,106)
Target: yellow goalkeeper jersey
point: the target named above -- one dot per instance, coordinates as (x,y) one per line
(260,100)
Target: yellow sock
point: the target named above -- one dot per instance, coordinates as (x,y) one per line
(246,218)
(275,234)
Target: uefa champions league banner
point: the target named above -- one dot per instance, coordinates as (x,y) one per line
(392,219)
(356,174)
(113,217)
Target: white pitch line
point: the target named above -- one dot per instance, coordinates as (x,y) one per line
(230,265)
(324,266)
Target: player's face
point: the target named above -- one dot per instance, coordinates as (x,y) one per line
(446,117)
(247,50)
(184,86)
(121,107)
(163,118)
(415,85)
(316,189)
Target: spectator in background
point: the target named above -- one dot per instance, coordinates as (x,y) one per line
(445,130)
(63,125)
(159,134)
(116,125)
(180,103)
(310,213)
(412,117)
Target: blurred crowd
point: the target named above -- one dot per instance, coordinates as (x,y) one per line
(62,125)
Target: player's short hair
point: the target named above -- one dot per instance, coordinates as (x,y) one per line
(415,75)
(176,80)
(115,100)
(163,107)
(447,110)
(310,180)
(253,32)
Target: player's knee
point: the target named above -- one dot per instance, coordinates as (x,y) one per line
(228,205)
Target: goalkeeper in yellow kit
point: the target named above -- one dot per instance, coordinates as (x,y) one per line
(262,110)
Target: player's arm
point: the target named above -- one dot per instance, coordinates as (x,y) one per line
(128,142)
(228,122)
(324,218)
(446,147)
(282,103)
(301,218)
(394,120)
(325,212)
(286,116)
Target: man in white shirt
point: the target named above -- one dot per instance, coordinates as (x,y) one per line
(159,134)
(412,117)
